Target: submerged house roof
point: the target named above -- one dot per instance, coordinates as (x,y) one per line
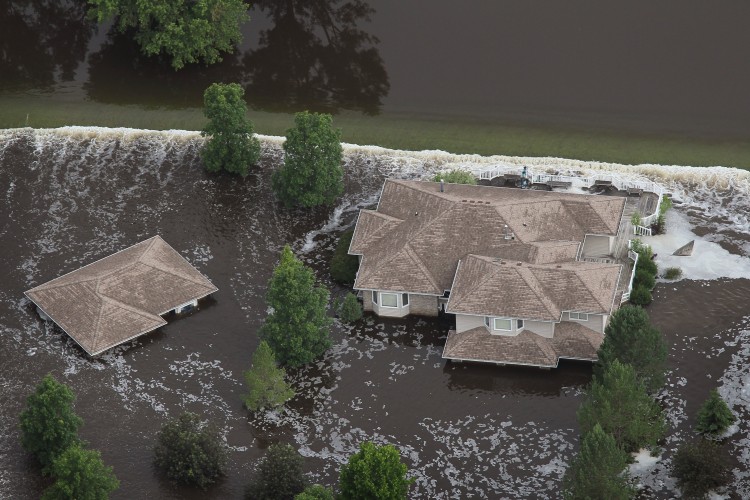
(122,296)
(416,237)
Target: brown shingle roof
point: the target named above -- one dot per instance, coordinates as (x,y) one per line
(121,296)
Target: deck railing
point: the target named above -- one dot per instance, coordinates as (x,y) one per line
(641,231)
(634,257)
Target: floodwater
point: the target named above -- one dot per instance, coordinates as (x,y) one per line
(71,196)
(668,67)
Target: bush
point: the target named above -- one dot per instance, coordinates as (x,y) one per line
(48,424)
(641,296)
(312,173)
(714,417)
(344,267)
(189,451)
(231,145)
(456,176)
(644,278)
(350,310)
(699,468)
(279,475)
(673,273)
(635,219)
(315,492)
(80,474)
(374,472)
(265,381)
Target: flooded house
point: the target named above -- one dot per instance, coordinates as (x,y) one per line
(531,276)
(122,296)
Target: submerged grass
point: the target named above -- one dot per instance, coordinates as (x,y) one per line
(404,131)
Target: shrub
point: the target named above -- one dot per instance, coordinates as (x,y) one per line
(641,296)
(350,310)
(48,424)
(646,263)
(456,176)
(298,329)
(189,451)
(374,472)
(714,417)
(344,266)
(699,468)
(673,273)
(635,219)
(315,492)
(598,469)
(312,173)
(80,474)
(279,475)
(644,278)
(265,381)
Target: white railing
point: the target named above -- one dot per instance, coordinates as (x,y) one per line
(641,230)
(634,257)
(598,260)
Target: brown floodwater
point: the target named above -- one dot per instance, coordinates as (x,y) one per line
(465,430)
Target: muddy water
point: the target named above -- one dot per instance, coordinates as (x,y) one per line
(72,196)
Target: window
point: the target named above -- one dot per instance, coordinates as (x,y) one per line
(404,299)
(579,316)
(487,321)
(388,299)
(519,324)
(375,297)
(502,324)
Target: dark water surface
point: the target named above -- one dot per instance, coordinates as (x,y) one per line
(674,66)
(69,198)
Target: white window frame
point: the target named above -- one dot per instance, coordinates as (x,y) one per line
(519,324)
(578,316)
(404,299)
(487,322)
(510,325)
(375,296)
(383,304)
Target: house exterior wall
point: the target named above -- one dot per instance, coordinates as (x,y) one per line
(541,328)
(596,245)
(596,322)
(367,304)
(423,305)
(465,322)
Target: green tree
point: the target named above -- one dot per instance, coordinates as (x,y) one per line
(189,451)
(699,468)
(344,267)
(80,475)
(315,492)
(186,32)
(375,472)
(312,173)
(230,145)
(350,310)
(598,471)
(644,278)
(641,296)
(265,381)
(48,424)
(619,403)
(456,176)
(279,475)
(298,329)
(714,417)
(630,338)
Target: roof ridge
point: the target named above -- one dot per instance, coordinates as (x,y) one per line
(181,276)
(415,257)
(488,277)
(605,305)
(542,298)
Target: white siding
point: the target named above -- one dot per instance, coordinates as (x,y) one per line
(541,328)
(595,321)
(465,322)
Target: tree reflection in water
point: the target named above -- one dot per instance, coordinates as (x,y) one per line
(316,57)
(41,41)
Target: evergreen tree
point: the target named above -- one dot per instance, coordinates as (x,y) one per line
(699,468)
(265,381)
(619,403)
(714,416)
(80,474)
(375,472)
(190,452)
(350,310)
(641,295)
(312,173)
(279,475)
(599,470)
(344,267)
(230,144)
(48,424)
(456,176)
(630,338)
(315,492)
(298,328)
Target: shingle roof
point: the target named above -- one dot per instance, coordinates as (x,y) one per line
(414,240)
(121,296)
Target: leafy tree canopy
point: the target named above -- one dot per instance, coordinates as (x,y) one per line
(315,492)
(374,472)
(598,470)
(230,144)
(641,295)
(456,177)
(189,451)
(714,416)
(48,424)
(265,381)
(298,329)
(619,403)
(630,338)
(344,267)
(80,474)
(185,31)
(312,173)
(699,468)
(350,309)
(279,475)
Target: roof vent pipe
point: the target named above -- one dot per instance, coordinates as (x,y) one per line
(442,186)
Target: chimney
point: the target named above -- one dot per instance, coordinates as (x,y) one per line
(442,186)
